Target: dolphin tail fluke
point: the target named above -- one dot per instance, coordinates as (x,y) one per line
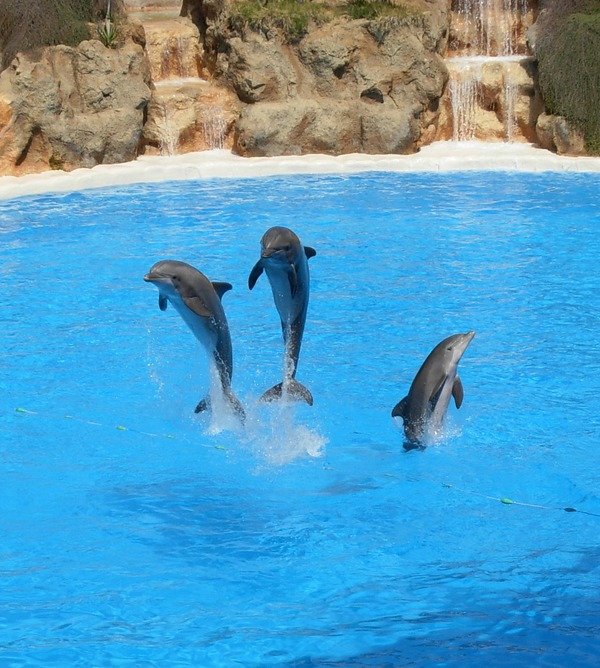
(291,389)
(235,403)
(202,406)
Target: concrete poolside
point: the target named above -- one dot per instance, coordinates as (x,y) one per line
(438,157)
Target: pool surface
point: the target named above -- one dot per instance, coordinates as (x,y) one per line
(136,533)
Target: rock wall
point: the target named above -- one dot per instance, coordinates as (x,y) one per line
(370,86)
(72,107)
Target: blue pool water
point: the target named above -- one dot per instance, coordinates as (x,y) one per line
(135,533)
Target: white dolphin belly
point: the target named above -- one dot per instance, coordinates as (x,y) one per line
(203,328)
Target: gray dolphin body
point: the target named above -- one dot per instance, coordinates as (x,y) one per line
(285,260)
(424,408)
(198,302)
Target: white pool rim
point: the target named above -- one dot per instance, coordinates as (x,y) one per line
(437,157)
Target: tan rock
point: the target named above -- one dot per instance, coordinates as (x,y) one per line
(73,107)
(557,134)
(490,100)
(173,48)
(374,79)
(259,69)
(189,116)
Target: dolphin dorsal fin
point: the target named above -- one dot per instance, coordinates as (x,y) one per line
(401,409)
(310,252)
(257,270)
(196,305)
(221,288)
(458,392)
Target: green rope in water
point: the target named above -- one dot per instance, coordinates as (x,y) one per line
(510,502)
(506,501)
(118,427)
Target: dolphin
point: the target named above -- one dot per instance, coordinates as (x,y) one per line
(285,261)
(424,408)
(198,302)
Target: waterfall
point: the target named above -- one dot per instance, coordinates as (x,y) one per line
(168,135)
(490,27)
(187,112)
(214,125)
(510,96)
(487,43)
(464,97)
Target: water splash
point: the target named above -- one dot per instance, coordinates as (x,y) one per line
(277,438)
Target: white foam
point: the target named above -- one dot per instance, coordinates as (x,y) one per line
(220,163)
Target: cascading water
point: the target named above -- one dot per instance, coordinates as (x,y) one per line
(486,47)
(214,126)
(464,96)
(491,27)
(168,135)
(187,112)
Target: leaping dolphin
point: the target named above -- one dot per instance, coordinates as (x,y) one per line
(286,262)
(424,408)
(198,302)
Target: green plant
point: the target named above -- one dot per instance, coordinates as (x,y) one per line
(26,25)
(568,52)
(294,17)
(291,16)
(107,32)
(361,9)
(373,10)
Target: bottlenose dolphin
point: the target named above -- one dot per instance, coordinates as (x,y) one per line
(198,302)
(425,406)
(286,262)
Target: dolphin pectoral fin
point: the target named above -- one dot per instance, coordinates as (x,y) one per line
(400,409)
(293,279)
(221,288)
(163,302)
(197,306)
(435,395)
(458,392)
(202,406)
(257,270)
(310,252)
(293,390)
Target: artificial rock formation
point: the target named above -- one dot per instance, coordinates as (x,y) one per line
(490,100)
(369,86)
(557,134)
(72,107)
(187,110)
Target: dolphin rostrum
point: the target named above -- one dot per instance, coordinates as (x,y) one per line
(286,262)
(424,408)
(198,302)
